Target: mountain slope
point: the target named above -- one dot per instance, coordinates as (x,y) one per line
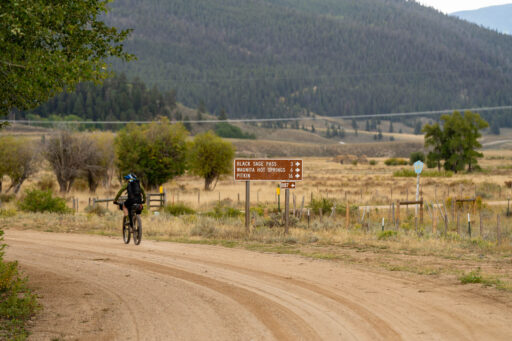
(262,58)
(494,17)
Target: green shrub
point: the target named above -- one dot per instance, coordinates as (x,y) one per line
(324,204)
(396,162)
(341,209)
(227,130)
(416,156)
(409,173)
(178,209)
(384,235)
(220,211)
(471,277)
(43,201)
(373,162)
(259,210)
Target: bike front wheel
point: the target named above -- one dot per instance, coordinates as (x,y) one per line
(137,230)
(126,230)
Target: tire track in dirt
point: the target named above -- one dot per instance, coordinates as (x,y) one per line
(270,313)
(384,329)
(378,327)
(265,310)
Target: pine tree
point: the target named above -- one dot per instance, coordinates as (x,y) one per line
(495,127)
(417,128)
(223,116)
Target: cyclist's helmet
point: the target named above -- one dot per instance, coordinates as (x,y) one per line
(130,177)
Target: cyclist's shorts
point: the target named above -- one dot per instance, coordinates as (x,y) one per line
(128,203)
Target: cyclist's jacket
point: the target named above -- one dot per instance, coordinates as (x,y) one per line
(125,188)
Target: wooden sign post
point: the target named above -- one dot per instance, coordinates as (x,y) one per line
(287,171)
(247,205)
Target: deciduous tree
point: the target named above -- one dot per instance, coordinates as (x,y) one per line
(210,157)
(155,153)
(49,46)
(19,159)
(456,141)
(70,156)
(434,140)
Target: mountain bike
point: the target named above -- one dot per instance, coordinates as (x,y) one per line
(132,224)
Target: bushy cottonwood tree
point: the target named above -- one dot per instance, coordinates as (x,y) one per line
(455,141)
(49,46)
(210,157)
(156,153)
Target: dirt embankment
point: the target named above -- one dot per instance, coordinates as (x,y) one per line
(96,288)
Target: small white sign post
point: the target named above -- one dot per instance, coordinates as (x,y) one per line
(418,168)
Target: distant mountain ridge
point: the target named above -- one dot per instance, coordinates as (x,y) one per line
(495,17)
(275,58)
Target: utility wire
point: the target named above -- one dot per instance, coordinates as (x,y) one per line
(282,119)
(304,78)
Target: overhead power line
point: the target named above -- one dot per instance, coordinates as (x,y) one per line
(250,78)
(282,119)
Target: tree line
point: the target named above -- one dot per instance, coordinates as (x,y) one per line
(117,99)
(156,153)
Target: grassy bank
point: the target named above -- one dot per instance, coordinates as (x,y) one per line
(17,303)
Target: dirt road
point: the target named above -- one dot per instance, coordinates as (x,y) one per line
(97,288)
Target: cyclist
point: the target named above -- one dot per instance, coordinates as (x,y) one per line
(136,193)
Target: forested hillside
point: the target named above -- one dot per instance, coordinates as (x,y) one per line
(117,99)
(495,17)
(282,57)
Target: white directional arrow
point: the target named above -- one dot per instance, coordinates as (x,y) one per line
(293,185)
(297,176)
(297,170)
(297,164)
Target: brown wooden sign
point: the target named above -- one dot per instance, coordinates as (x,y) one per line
(267,170)
(288,185)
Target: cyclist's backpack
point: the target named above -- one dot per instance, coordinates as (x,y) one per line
(134,191)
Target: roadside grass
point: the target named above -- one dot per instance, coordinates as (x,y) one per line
(409,173)
(476,277)
(17,303)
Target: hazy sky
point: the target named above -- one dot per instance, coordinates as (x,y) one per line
(450,6)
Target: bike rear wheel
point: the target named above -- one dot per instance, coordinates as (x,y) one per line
(126,230)
(137,230)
